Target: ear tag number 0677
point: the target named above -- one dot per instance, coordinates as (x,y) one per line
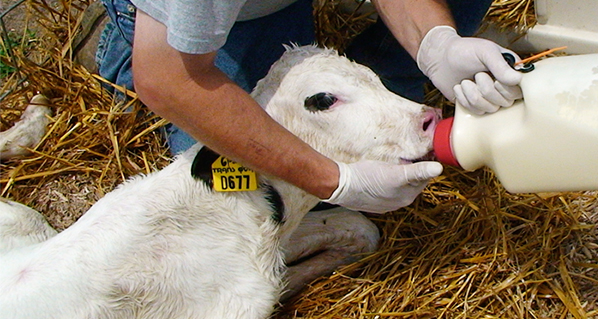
(229,176)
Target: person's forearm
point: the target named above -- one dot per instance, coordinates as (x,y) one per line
(230,122)
(410,20)
(205,103)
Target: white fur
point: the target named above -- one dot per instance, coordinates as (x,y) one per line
(166,246)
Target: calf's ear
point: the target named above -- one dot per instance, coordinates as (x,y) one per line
(201,168)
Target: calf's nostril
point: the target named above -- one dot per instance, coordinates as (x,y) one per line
(427,124)
(430,120)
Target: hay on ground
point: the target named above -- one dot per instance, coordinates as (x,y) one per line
(337,22)
(512,15)
(94,141)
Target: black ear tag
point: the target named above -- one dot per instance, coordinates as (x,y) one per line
(201,168)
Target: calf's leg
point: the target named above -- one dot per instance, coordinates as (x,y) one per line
(21,226)
(323,242)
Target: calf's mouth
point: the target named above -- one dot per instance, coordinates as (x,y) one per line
(430,156)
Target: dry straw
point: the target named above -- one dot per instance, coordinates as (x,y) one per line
(337,22)
(469,249)
(512,15)
(93,142)
(465,249)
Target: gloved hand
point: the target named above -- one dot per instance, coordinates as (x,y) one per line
(380,187)
(457,66)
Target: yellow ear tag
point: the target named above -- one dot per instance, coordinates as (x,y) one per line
(229,176)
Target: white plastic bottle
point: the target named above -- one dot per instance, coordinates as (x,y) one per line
(547,142)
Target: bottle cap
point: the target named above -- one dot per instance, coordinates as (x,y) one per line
(442,142)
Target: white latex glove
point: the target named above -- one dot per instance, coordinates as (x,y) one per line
(380,187)
(457,66)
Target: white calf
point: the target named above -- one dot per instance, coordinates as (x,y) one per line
(166,245)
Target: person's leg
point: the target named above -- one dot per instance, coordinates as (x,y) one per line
(115,46)
(251,48)
(468,14)
(379,50)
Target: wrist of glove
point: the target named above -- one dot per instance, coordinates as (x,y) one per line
(470,71)
(380,187)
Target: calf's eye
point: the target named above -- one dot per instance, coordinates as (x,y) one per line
(319,102)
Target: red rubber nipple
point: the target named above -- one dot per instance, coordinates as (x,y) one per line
(442,143)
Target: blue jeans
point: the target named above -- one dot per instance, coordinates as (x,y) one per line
(252,46)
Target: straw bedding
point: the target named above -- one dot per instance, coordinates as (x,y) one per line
(93,142)
(465,249)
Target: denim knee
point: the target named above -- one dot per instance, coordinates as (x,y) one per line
(115,47)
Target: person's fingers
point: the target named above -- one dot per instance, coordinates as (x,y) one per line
(488,91)
(500,69)
(422,171)
(511,93)
(477,103)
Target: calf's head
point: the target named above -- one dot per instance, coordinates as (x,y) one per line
(343,110)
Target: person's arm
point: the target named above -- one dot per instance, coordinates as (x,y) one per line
(188,90)
(192,93)
(470,70)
